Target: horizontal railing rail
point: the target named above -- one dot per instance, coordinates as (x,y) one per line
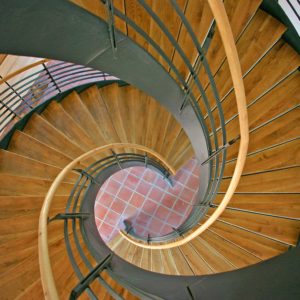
(23,90)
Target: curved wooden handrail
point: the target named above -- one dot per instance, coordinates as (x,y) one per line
(26,68)
(222,21)
(47,278)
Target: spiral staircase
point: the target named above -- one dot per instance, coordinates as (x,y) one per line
(252,249)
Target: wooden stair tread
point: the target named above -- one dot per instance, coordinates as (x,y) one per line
(259,246)
(25,145)
(75,108)
(286,205)
(283,230)
(18,165)
(60,119)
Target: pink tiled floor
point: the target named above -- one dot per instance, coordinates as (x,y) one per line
(142,197)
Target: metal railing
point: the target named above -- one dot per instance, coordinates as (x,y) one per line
(37,83)
(216,150)
(74,217)
(74,214)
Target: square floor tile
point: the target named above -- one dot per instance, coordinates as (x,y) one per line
(160,182)
(142,219)
(187,195)
(113,187)
(155,194)
(174,220)
(137,171)
(149,176)
(112,218)
(106,199)
(143,188)
(130,212)
(106,230)
(156,225)
(162,213)
(120,176)
(193,182)
(118,206)
(137,200)
(168,200)
(131,182)
(125,193)
(100,211)
(180,207)
(149,207)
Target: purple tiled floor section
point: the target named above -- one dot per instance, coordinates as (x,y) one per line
(142,197)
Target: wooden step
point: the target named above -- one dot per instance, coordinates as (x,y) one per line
(110,96)
(260,35)
(264,76)
(277,181)
(181,263)
(155,131)
(156,261)
(211,256)
(280,130)
(18,185)
(196,262)
(233,253)
(278,157)
(270,105)
(169,265)
(44,132)
(15,164)
(33,291)
(73,105)
(283,230)
(17,246)
(61,120)
(11,206)
(92,99)
(200,18)
(28,146)
(23,275)
(239,15)
(257,245)
(286,205)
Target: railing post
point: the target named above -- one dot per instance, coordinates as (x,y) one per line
(190,293)
(87,175)
(51,78)
(111,25)
(221,149)
(67,216)
(117,159)
(85,282)
(177,231)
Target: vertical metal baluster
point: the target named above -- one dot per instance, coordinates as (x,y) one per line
(52,78)
(117,159)
(111,25)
